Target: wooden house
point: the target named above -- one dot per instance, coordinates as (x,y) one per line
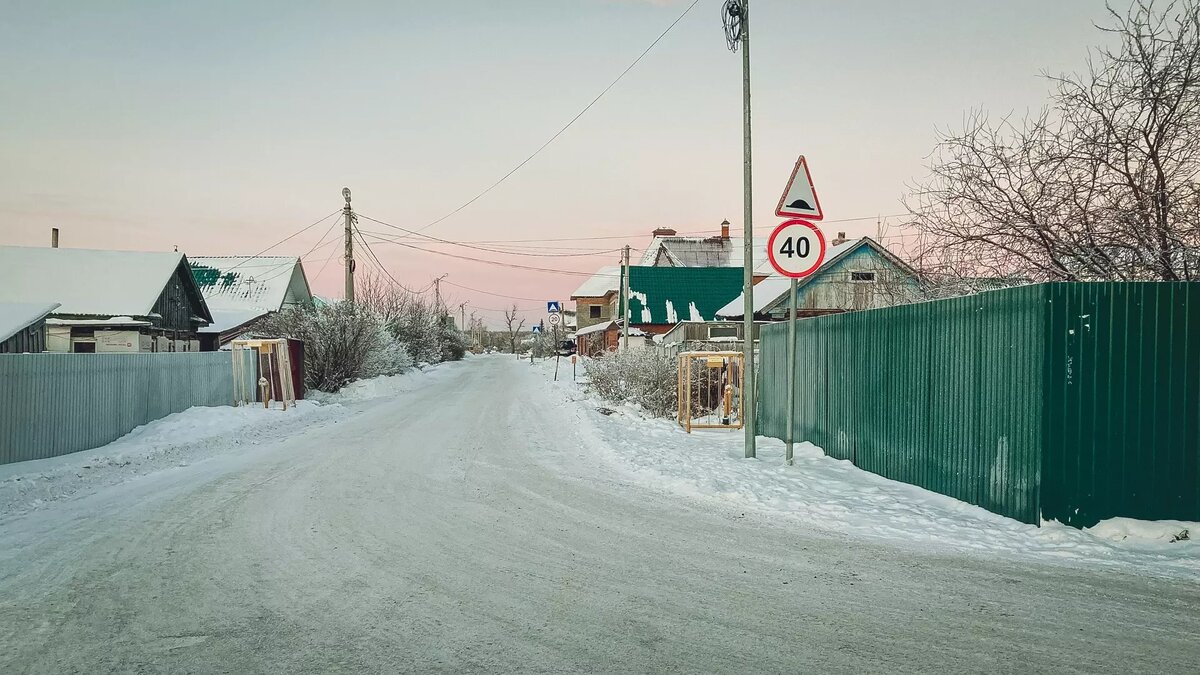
(856,274)
(108,301)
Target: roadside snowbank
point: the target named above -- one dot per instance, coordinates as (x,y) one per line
(836,496)
(175,440)
(387,385)
(184,438)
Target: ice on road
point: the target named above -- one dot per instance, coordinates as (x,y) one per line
(468,525)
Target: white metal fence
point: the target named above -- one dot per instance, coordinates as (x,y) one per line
(55,404)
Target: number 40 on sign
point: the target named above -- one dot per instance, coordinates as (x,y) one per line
(796,248)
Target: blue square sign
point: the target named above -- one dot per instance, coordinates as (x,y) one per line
(553,306)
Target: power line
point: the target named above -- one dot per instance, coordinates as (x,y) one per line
(498,295)
(291,236)
(568,124)
(327,260)
(640,235)
(371,255)
(485,261)
(478,248)
(503,247)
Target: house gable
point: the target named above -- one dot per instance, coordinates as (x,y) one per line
(181,306)
(865,276)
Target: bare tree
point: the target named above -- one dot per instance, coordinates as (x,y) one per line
(510,320)
(1100,185)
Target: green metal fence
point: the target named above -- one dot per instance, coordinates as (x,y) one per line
(1072,402)
(55,404)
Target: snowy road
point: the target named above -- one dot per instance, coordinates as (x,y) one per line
(466,527)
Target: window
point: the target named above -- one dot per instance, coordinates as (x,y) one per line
(722,332)
(594,311)
(862,276)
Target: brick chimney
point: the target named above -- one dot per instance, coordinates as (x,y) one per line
(664,232)
(724,229)
(841,239)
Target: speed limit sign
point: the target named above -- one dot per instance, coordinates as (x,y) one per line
(796,248)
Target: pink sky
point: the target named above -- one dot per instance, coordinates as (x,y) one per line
(149,127)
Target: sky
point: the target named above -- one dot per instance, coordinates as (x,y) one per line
(224,127)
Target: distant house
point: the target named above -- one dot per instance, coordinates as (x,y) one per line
(108,301)
(23,326)
(594,297)
(243,289)
(606,337)
(661,297)
(856,274)
(669,249)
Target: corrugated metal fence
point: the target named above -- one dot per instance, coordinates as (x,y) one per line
(54,404)
(1074,402)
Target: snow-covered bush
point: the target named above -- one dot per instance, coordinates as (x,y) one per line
(420,326)
(392,358)
(342,342)
(452,341)
(642,376)
(414,328)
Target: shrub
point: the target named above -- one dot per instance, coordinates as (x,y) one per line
(641,376)
(342,342)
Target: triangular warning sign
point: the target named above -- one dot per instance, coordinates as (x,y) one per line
(800,198)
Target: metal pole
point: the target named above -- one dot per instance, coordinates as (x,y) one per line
(349,216)
(625,300)
(748,397)
(791,375)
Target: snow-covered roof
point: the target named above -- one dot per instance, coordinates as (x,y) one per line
(84,281)
(17,316)
(226,320)
(680,251)
(595,328)
(606,280)
(243,283)
(768,290)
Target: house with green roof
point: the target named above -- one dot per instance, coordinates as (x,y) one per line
(661,297)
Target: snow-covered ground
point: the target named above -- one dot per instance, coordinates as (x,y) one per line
(835,495)
(388,385)
(487,523)
(194,435)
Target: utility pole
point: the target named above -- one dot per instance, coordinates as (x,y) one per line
(462,317)
(349,215)
(437,297)
(748,396)
(625,299)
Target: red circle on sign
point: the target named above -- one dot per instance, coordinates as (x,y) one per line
(796,222)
